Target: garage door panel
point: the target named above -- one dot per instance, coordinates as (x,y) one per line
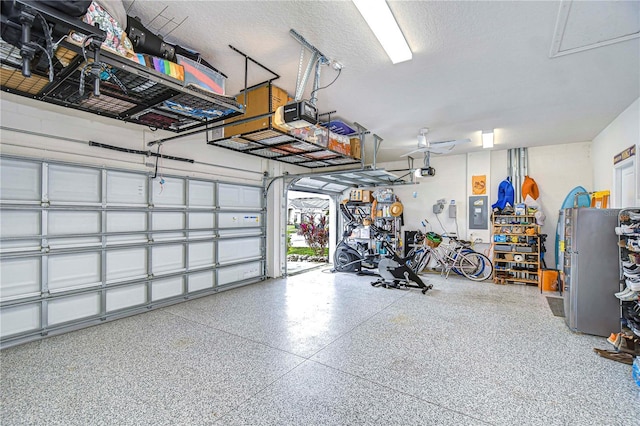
(167,259)
(236,196)
(130,222)
(69,184)
(73,222)
(19,319)
(73,308)
(17,223)
(239,220)
(20,223)
(201,220)
(166,288)
(240,249)
(168,221)
(126,297)
(201,194)
(126,188)
(20,246)
(227,233)
(170,194)
(161,243)
(79,242)
(76,270)
(231,274)
(125,265)
(201,281)
(201,254)
(19,278)
(20,180)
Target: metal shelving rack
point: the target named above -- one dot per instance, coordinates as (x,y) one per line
(274,144)
(628,253)
(507,269)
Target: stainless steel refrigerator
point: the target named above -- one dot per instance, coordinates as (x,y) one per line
(591,270)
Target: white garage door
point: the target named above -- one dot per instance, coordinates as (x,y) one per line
(80,245)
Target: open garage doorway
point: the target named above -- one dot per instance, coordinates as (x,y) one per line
(308,231)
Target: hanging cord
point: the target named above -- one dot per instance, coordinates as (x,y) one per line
(441,225)
(162,181)
(86,65)
(155,174)
(49,43)
(50,61)
(324,87)
(458,232)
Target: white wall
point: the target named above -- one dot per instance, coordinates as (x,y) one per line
(38,130)
(622,133)
(448,183)
(557,169)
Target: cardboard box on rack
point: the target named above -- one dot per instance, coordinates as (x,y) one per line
(361,195)
(339,143)
(355,148)
(260,100)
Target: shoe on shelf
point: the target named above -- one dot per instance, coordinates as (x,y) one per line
(624,292)
(628,229)
(631,270)
(634,215)
(630,297)
(633,245)
(634,326)
(633,285)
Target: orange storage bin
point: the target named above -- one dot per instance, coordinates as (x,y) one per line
(548,279)
(600,199)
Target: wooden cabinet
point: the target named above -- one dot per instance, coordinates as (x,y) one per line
(516,249)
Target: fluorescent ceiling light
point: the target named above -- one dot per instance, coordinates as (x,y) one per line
(386,29)
(487,139)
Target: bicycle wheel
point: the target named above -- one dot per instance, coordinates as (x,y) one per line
(463,251)
(475,266)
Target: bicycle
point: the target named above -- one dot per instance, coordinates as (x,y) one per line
(456,256)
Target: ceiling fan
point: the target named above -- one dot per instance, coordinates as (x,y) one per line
(439,147)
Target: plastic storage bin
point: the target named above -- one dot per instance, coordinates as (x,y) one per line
(548,279)
(201,76)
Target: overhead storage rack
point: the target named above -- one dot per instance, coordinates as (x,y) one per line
(128,91)
(277,145)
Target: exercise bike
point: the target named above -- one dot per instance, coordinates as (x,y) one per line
(393,269)
(356,257)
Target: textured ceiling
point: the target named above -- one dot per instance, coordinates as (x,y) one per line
(476,65)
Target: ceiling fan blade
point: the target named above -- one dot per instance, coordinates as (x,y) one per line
(439,151)
(451,142)
(415,151)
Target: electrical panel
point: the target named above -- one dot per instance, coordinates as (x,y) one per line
(478,212)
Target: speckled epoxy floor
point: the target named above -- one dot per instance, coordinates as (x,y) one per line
(325,349)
